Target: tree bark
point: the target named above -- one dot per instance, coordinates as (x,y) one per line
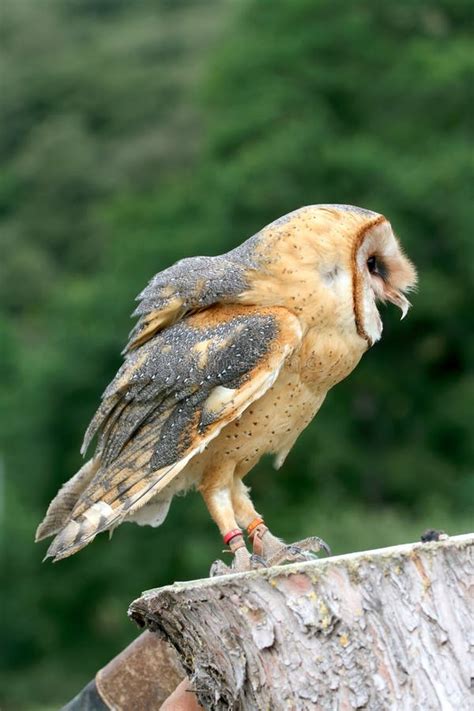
(383,629)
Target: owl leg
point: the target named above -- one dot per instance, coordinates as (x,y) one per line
(216,490)
(250,519)
(266,546)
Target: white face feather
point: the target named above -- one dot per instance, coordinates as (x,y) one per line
(386,274)
(372,322)
(338,281)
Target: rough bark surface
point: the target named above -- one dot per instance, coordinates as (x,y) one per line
(385,629)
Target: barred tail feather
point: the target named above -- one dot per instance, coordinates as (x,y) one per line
(63,503)
(101,516)
(79,532)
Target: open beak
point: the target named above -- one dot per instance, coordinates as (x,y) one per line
(399,299)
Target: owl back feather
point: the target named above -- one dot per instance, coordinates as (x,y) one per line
(189,285)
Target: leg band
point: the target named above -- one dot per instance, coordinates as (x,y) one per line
(232,534)
(252,526)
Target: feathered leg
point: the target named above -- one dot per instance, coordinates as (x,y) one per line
(216,490)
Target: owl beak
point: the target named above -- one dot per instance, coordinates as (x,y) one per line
(399,299)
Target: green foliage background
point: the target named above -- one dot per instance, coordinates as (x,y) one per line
(134,134)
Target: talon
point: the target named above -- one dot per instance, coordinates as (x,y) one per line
(325,547)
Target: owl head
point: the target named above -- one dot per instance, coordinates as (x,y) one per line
(331,264)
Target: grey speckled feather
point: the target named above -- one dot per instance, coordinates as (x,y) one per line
(169,399)
(196,282)
(168,388)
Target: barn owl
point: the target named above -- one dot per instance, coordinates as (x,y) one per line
(231,358)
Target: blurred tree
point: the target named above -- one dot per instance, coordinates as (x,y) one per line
(97,99)
(97,103)
(129,140)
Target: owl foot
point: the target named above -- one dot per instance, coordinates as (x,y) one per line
(299,552)
(275,551)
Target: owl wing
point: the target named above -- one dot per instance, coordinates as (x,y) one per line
(190,284)
(171,397)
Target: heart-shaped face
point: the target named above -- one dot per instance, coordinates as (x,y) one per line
(382,273)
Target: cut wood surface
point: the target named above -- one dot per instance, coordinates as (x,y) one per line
(384,629)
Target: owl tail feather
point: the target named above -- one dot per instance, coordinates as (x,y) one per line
(80,530)
(78,533)
(63,503)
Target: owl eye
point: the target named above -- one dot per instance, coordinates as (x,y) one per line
(372,265)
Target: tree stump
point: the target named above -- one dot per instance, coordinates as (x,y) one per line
(383,629)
